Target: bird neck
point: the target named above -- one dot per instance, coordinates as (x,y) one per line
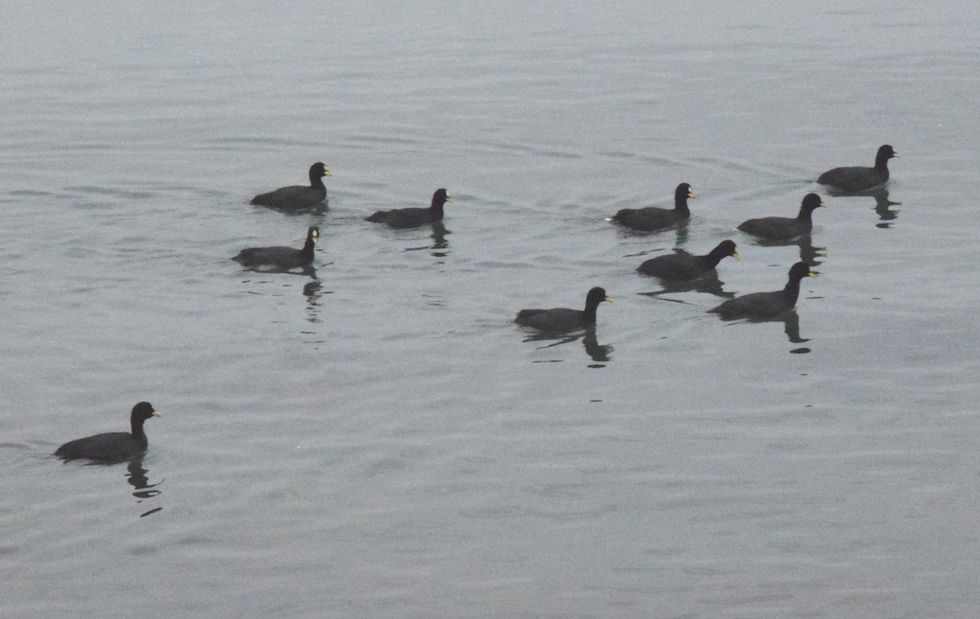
(680,203)
(436,208)
(712,259)
(136,426)
(805,215)
(590,308)
(792,290)
(316,180)
(881,164)
(308,248)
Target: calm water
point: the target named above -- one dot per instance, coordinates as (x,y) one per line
(379,439)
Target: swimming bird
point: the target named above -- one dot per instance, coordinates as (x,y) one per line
(766,304)
(297,197)
(111,447)
(414,216)
(284,258)
(784,228)
(682,266)
(563,319)
(858,178)
(653,218)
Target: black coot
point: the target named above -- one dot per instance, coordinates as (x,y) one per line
(784,228)
(415,216)
(766,304)
(563,319)
(112,447)
(653,218)
(857,178)
(284,258)
(297,197)
(683,266)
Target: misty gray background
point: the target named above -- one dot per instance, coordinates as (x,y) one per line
(379,439)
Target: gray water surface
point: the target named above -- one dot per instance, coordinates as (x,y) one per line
(378,438)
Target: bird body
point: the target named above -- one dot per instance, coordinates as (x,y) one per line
(112,447)
(558,319)
(784,228)
(297,198)
(766,304)
(563,319)
(857,178)
(683,266)
(413,216)
(278,257)
(652,218)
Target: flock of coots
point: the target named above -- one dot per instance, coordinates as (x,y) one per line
(112,447)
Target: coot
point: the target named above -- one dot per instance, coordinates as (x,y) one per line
(766,304)
(784,228)
(112,447)
(683,266)
(563,319)
(284,258)
(653,218)
(858,178)
(414,216)
(297,197)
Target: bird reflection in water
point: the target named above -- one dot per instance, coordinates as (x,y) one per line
(791,327)
(883,204)
(809,254)
(883,208)
(439,246)
(709,284)
(679,229)
(600,353)
(439,242)
(142,488)
(680,234)
(312,290)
